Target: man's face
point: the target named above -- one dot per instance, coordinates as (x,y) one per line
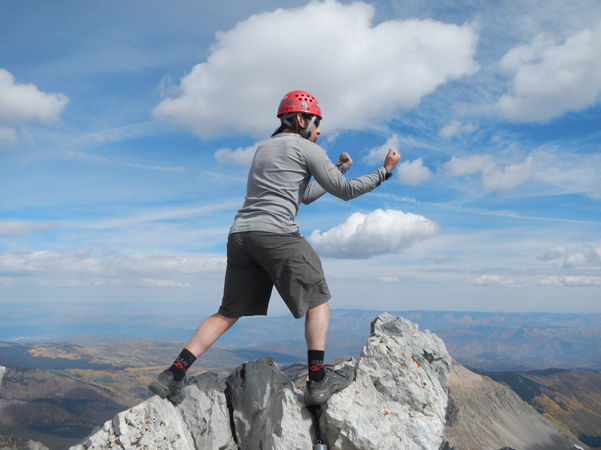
(314,128)
(314,131)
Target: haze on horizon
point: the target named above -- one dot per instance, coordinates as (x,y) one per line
(127,130)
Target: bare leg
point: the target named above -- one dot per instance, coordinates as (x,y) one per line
(316,327)
(208,332)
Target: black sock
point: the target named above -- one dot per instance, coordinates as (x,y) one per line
(316,369)
(182,364)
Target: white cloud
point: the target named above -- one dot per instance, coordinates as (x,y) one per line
(20,103)
(509,177)
(240,157)
(455,128)
(554,252)
(464,166)
(361,74)
(551,78)
(15,228)
(494,177)
(413,172)
(494,280)
(582,281)
(376,155)
(377,233)
(388,279)
(80,268)
(592,259)
(572,281)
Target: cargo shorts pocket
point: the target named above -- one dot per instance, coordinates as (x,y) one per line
(301,269)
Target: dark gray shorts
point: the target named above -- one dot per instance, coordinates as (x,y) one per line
(256,261)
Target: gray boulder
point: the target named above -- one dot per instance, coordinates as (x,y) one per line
(201,422)
(268,411)
(399,396)
(206,415)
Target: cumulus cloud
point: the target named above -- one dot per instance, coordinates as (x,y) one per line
(456,128)
(574,261)
(15,228)
(240,157)
(381,232)
(81,268)
(591,259)
(360,73)
(413,172)
(22,103)
(551,78)
(494,177)
(465,166)
(376,155)
(554,252)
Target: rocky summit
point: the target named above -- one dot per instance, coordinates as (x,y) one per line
(399,399)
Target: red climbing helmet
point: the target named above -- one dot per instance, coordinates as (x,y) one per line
(299,102)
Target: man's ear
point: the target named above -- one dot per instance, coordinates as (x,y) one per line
(301,120)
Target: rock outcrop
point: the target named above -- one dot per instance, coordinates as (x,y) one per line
(267,411)
(399,396)
(2,372)
(399,399)
(201,421)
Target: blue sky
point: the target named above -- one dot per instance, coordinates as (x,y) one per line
(127,129)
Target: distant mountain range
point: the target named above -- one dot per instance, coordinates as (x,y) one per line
(486,341)
(491,343)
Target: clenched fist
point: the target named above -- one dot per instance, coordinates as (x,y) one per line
(345,159)
(392,159)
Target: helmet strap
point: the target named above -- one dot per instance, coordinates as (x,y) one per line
(307,131)
(285,123)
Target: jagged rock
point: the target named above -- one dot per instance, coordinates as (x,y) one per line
(267,411)
(154,424)
(206,415)
(2,372)
(399,396)
(201,422)
(485,415)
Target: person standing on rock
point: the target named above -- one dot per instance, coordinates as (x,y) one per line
(265,248)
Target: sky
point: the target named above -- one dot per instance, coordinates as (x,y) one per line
(127,130)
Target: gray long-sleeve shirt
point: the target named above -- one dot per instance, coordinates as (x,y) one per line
(278,182)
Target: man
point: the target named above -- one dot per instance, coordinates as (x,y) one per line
(265,248)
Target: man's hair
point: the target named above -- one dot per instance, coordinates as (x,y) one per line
(296,127)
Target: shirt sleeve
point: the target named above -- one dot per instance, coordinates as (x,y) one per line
(315,191)
(331,180)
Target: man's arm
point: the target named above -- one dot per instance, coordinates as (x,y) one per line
(335,183)
(315,191)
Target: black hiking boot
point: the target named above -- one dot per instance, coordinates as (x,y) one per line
(166,387)
(318,392)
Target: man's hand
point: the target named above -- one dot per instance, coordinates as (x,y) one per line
(345,159)
(392,159)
